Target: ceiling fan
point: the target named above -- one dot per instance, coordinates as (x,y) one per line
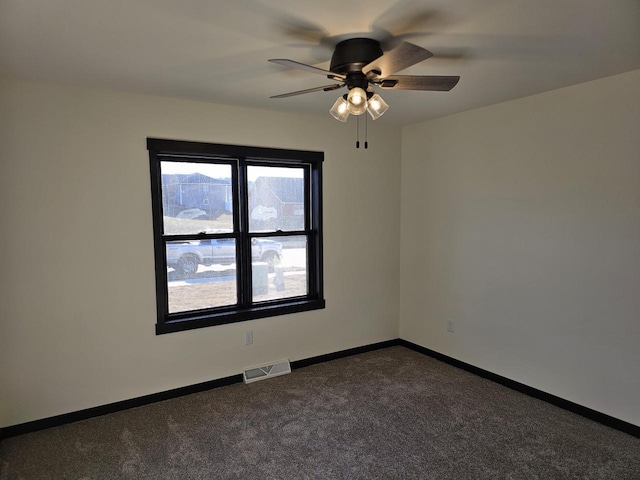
(360,65)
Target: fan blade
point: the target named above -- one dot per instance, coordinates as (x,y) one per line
(439,83)
(326,88)
(309,68)
(399,58)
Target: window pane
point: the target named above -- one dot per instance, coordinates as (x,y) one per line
(201,274)
(276,198)
(282,275)
(196,197)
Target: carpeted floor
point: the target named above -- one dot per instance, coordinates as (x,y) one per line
(388,414)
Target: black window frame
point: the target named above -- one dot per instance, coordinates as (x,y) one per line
(240,157)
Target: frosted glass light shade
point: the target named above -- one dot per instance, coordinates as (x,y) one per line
(376,106)
(357,101)
(339,110)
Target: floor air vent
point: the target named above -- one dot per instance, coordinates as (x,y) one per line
(268,370)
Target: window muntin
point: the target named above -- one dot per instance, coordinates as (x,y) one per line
(237,232)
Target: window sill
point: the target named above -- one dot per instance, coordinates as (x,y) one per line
(260,311)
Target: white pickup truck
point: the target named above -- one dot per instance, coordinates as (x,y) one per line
(184,257)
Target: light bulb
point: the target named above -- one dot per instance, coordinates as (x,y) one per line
(357,101)
(357,97)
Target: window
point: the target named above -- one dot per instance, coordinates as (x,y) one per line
(237,232)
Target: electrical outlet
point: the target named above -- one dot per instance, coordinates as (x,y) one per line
(450,326)
(248,337)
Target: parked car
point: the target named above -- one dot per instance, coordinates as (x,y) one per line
(184,257)
(192,213)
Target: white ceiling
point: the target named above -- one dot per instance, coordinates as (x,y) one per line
(217,50)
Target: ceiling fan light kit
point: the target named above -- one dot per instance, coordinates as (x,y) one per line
(360,65)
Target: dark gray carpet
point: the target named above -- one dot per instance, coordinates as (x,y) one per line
(388,414)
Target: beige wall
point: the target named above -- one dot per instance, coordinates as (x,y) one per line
(77,303)
(521,223)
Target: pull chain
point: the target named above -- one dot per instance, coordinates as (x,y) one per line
(358,132)
(366,131)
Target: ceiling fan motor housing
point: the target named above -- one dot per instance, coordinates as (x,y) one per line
(351,55)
